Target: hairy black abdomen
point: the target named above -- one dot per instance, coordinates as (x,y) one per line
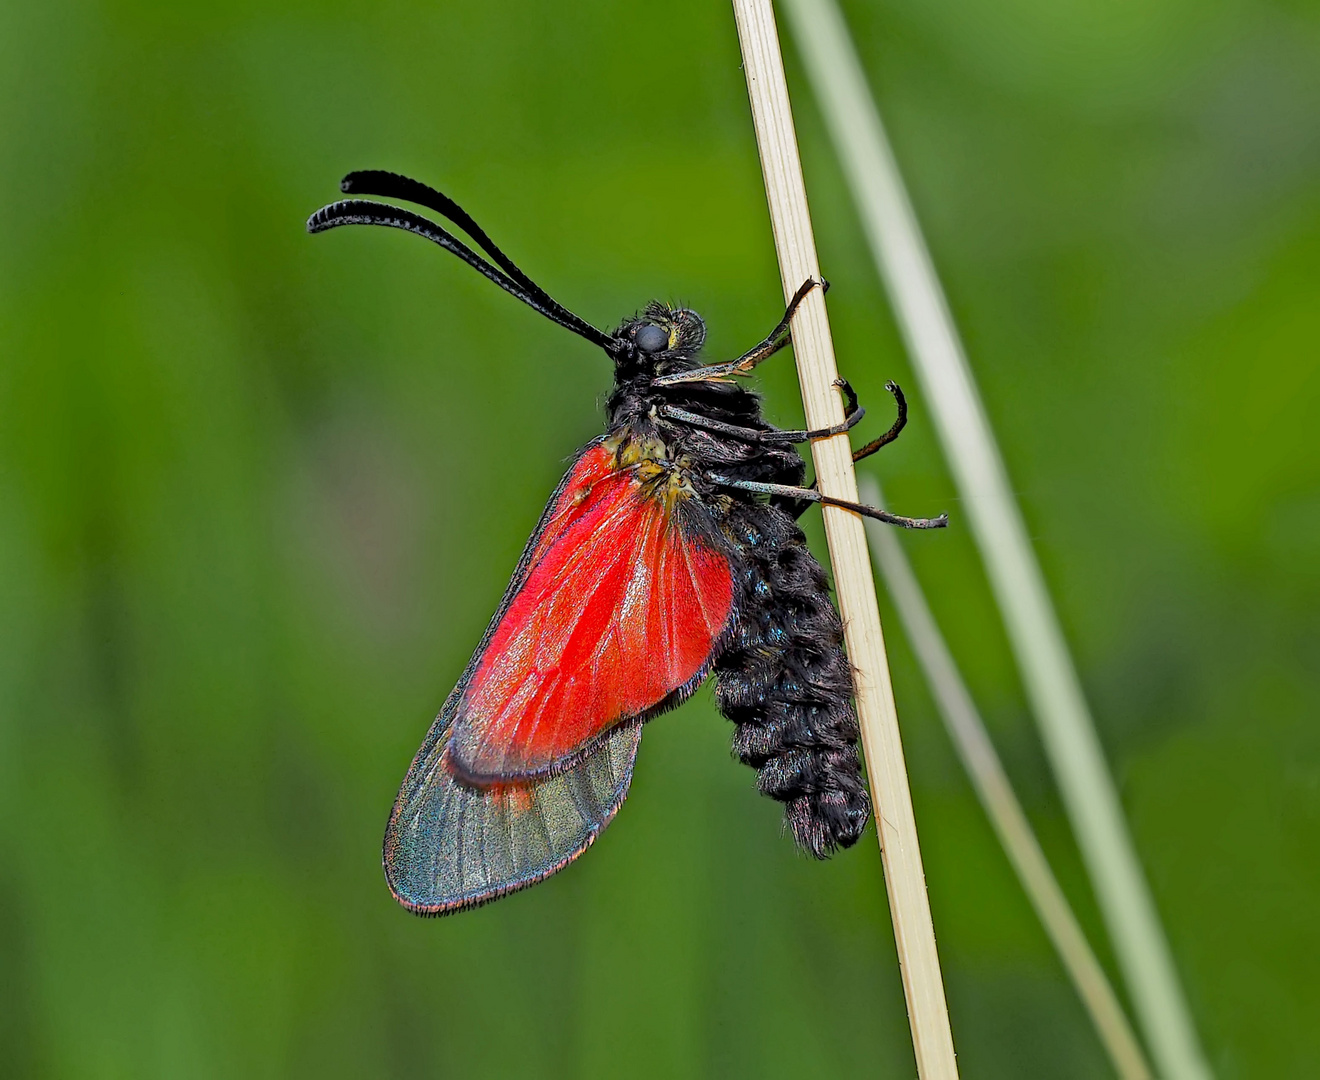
(785,682)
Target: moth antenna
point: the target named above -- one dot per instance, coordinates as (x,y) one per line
(366,212)
(395,186)
(391,185)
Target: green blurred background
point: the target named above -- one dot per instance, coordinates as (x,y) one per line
(260,492)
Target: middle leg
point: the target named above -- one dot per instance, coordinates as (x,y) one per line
(774,436)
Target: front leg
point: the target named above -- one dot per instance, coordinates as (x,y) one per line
(773,342)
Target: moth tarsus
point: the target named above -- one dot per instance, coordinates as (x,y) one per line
(669,552)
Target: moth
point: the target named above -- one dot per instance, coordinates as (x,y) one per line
(669,552)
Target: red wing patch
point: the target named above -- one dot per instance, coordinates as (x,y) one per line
(619,609)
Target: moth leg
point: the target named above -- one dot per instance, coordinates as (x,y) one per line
(753,435)
(786,491)
(762,351)
(798,508)
(777,338)
(890,435)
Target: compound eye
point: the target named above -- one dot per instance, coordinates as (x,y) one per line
(651,338)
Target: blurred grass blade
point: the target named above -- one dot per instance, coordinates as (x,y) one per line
(1047,670)
(1010,823)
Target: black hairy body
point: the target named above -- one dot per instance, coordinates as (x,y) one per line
(785,682)
(695,440)
(782,675)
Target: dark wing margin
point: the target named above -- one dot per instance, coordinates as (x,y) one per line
(449,847)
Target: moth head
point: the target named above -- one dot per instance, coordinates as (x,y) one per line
(659,340)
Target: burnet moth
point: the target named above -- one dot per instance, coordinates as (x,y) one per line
(668,552)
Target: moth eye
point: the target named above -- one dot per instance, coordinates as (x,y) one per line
(650,338)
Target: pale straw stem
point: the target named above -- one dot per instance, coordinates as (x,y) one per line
(795,245)
(1051,682)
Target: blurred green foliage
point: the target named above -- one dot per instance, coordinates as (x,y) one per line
(260,492)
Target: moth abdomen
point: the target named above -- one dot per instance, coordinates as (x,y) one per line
(785,682)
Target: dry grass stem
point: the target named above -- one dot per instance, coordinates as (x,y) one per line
(895,823)
(1042,654)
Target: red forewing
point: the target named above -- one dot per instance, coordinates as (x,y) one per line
(617,613)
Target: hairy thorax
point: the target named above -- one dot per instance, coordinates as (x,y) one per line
(662,473)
